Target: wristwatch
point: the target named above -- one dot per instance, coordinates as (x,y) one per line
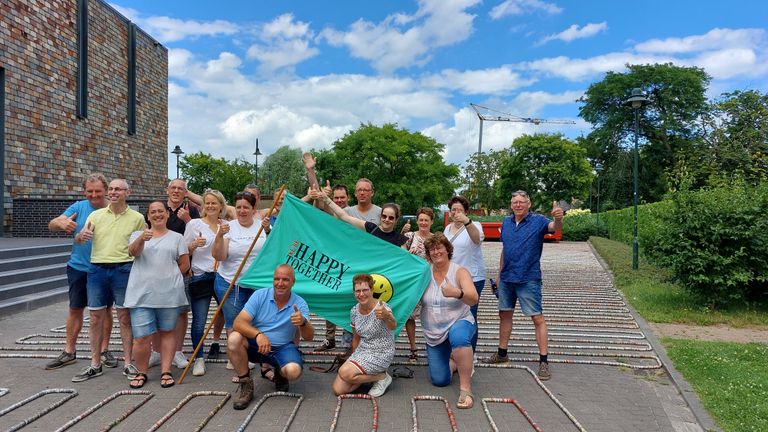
(468,222)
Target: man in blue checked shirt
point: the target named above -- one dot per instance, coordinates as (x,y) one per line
(522,237)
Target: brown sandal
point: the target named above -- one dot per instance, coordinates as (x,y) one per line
(466,400)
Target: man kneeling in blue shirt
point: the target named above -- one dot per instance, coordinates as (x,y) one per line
(265,332)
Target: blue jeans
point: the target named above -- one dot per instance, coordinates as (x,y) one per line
(200,308)
(234,302)
(438,356)
(479,285)
(107,284)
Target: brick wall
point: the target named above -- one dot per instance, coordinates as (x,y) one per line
(48,150)
(42,210)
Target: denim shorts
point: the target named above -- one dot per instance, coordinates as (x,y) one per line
(278,357)
(147,321)
(78,288)
(529,294)
(235,301)
(107,284)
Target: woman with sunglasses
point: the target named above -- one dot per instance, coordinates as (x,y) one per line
(373,344)
(385,230)
(230,245)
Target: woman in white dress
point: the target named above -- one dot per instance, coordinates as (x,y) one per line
(373,342)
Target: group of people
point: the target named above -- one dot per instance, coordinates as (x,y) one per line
(156,268)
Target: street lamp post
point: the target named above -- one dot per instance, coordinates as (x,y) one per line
(177,151)
(598,170)
(636,101)
(257,153)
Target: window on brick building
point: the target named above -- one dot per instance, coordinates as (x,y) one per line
(82,58)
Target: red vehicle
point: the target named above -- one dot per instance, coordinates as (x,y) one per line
(492,230)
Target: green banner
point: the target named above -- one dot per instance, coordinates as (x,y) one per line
(326,254)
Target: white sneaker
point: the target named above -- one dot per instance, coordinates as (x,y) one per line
(251,365)
(229,365)
(199,368)
(154,359)
(179,360)
(379,387)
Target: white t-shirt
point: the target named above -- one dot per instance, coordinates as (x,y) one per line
(155,280)
(466,253)
(240,239)
(202,260)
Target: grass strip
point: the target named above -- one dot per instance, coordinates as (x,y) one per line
(730,378)
(657,299)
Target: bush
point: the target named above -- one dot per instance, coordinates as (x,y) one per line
(579,227)
(715,241)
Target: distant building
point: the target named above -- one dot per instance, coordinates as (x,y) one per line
(82,90)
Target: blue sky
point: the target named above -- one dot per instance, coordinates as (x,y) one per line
(305,72)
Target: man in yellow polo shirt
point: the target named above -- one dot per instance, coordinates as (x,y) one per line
(109,229)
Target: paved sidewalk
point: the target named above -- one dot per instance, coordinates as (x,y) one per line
(606,374)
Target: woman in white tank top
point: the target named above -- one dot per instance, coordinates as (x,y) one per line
(446,319)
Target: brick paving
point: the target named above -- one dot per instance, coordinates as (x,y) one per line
(626,394)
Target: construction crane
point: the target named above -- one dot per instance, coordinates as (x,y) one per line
(506,117)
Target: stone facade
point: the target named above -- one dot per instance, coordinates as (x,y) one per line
(48,148)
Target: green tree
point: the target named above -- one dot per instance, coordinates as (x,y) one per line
(736,142)
(284,167)
(202,171)
(482,171)
(405,167)
(667,125)
(548,166)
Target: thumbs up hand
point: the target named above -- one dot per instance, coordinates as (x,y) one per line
(147,234)
(327,188)
(183,213)
(297,318)
(69,225)
(223,228)
(86,234)
(557,212)
(382,313)
(200,240)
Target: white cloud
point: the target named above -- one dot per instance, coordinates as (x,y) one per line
(739,53)
(588,68)
(166,29)
(530,104)
(520,7)
(402,40)
(485,81)
(574,32)
(712,40)
(284,42)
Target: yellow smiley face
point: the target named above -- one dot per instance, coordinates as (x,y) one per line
(382,288)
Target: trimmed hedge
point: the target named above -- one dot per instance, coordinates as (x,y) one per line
(713,241)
